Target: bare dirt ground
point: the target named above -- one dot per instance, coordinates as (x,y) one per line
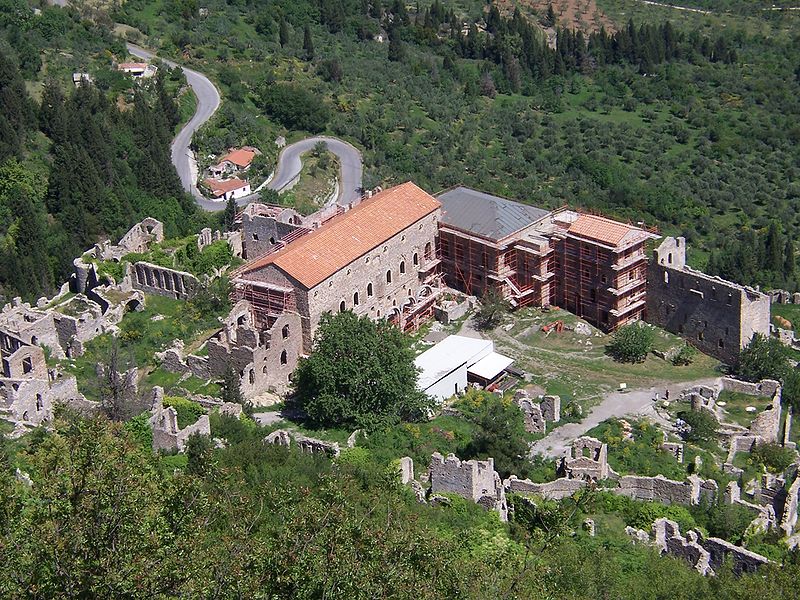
(579,15)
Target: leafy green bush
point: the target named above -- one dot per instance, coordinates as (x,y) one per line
(631,343)
(139,428)
(763,358)
(702,425)
(188,411)
(360,374)
(773,456)
(685,356)
(726,521)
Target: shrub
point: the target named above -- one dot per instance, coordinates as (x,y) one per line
(702,425)
(140,430)
(188,411)
(773,456)
(631,343)
(685,356)
(762,358)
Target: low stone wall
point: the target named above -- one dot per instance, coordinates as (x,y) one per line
(765,387)
(161,281)
(282,437)
(552,490)
(666,491)
(447,312)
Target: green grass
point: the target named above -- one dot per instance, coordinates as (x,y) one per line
(562,363)
(790,312)
(142,334)
(736,403)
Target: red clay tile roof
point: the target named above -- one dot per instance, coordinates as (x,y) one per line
(606,231)
(316,256)
(219,187)
(241,157)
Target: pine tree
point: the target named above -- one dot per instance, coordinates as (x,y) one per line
(229,215)
(397,51)
(308,43)
(231,387)
(773,249)
(789,264)
(283,33)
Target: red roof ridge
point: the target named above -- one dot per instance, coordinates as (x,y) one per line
(316,256)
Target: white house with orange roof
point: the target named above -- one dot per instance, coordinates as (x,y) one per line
(237,160)
(224,189)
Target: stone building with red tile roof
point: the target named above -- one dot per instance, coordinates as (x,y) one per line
(377,259)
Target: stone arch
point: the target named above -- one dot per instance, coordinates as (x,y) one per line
(284,357)
(285,331)
(424,292)
(342,306)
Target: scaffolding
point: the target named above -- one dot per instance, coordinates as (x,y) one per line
(268,301)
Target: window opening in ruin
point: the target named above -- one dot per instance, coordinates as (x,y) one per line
(355,299)
(389,276)
(666,277)
(378,314)
(669,258)
(283,358)
(342,306)
(285,331)
(369,289)
(630,276)
(240,320)
(264,370)
(428,252)
(25,416)
(272,240)
(585,452)
(721,343)
(27,365)
(252,376)
(700,336)
(255,237)
(415,259)
(34,340)
(38,402)
(402,267)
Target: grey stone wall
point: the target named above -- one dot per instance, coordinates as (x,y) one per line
(552,490)
(474,480)
(164,422)
(161,281)
(717,316)
(262,232)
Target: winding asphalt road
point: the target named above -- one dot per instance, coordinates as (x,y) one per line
(289,161)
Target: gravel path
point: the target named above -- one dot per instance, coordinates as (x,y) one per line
(633,403)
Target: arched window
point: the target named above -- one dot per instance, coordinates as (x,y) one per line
(355,299)
(389,276)
(428,251)
(285,331)
(38,402)
(402,267)
(369,289)
(415,259)
(283,357)
(341,306)
(252,377)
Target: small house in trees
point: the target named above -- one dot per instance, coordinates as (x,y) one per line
(224,189)
(236,161)
(138,70)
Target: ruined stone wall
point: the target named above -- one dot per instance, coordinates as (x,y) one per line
(475,480)
(743,560)
(666,491)
(716,316)
(552,490)
(140,236)
(161,281)
(767,423)
(260,233)
(164,422)
(32,326)
(789,517)
(282,437)
(765,387)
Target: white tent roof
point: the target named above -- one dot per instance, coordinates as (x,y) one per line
(490,366)
(448,355)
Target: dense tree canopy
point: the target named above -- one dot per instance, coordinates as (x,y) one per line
(360,374)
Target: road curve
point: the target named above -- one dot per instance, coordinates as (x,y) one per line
(350,166)
(289,161)
(208,101)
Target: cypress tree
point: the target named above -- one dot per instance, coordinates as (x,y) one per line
(789,263)
(229,215)
(308,43)
(283,33)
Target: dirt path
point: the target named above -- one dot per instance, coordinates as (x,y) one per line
(634,403)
